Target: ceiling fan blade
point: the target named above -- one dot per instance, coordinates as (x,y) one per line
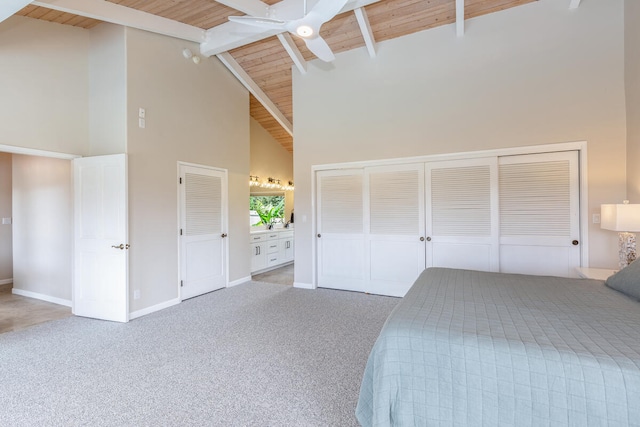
(327,9)
(320,48)
(255,21)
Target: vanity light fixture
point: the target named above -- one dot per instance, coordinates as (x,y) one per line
(254,181)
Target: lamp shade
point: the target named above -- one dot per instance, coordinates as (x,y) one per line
(621,217)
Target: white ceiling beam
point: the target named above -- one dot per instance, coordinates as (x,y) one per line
(249,7)
(121,15)
(255,90)
(231,35)
(460,18)
(365,29)
(574,4)
(9,8)
(293,51)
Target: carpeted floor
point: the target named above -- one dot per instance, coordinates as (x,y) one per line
(256,354)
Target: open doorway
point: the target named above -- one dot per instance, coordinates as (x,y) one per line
(35,239)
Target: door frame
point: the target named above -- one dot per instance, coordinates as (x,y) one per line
(579,146)
(12,149)
(225,221)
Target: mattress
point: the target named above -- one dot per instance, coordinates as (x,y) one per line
(470,348)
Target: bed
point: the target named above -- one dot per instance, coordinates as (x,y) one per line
(470,348)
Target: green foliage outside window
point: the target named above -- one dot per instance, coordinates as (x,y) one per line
(269,208)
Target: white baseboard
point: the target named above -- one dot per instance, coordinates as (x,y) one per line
(303,285)
(43,297)
(239,281)
(6,281)
(153,308)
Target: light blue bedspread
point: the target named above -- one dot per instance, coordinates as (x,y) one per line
(469,348)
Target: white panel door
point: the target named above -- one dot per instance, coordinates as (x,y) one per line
(340,230)
(203,223)
(462,227)
(100,278)
(394,219)
(539,214)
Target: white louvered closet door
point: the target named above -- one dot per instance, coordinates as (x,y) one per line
(539,214)
(340,230)
(394,218)
(203,251)
(462,227)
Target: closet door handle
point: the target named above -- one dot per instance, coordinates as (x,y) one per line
(422,239)
(428,239)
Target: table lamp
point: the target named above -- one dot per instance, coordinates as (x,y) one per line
(625,219)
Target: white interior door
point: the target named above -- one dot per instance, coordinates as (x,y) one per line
(340,230)
(203,224)
(100,286)
(394,219)
(462,220)
(539,214)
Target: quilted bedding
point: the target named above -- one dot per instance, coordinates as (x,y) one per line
(469,348)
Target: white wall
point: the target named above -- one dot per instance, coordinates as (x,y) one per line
(6,248)
(632,80)
(270,159)
(535,74)
(42,226)
(107,90)
(44,85)
(194,113)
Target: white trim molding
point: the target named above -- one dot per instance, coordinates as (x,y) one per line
(303,285)
(139,313)
(42,297)
(6,281)
(239,281)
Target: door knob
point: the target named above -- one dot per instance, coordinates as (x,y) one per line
(575,243)
(422,239)
(319,235)
(224,235)
(120,246)
(428,239)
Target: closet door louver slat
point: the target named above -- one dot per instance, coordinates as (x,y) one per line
(535,199)
(461,201)
(394,202)
(341,204)
(203,195)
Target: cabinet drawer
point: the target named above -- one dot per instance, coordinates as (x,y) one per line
(272,259)
(286,235)
(257,238)
(272,247)
(272,236)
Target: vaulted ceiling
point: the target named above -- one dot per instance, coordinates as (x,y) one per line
(263,59)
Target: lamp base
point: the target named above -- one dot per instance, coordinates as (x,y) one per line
(626,249)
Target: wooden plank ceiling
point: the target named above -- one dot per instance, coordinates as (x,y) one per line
(267,62)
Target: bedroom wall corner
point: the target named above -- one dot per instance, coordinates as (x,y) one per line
(504,84)
(632,83)
(6,246)
(44,85)
(195,114)
(270,159)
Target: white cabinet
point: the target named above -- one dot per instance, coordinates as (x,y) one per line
(258,251)
(285,246)
(270,249)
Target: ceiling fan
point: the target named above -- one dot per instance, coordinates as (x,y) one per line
(307,27)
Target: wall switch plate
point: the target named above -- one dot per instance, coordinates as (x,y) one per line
(6,221)
(141,123)
(136,294)
(141,113)
(596,218)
